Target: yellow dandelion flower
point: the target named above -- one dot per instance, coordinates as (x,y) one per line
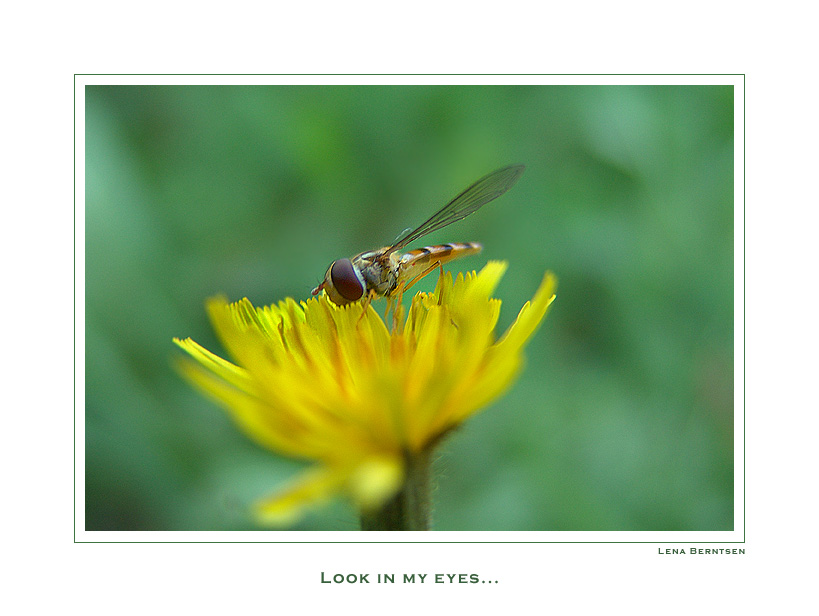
(333,385)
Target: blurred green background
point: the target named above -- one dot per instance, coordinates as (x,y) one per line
(623,417)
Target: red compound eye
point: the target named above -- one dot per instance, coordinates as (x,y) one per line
(345,280)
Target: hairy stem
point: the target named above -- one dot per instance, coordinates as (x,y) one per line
(410,508)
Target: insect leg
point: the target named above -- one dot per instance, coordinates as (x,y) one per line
(424,273)
(441,273)
(398,294)
(365,305)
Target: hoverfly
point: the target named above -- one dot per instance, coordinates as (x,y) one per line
(386,272)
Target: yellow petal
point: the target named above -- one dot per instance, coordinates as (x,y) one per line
(312,488)
(530,316)
(225,370)
(336,385)
(376,480)
(271,430)
(370,483)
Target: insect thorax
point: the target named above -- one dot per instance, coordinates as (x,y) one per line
(380,272)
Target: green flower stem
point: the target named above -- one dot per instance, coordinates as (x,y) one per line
(410,508)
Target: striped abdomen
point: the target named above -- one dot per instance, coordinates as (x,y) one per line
(416,262)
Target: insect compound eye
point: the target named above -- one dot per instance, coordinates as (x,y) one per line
(345,280)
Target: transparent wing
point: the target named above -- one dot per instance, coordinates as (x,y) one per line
(480,193)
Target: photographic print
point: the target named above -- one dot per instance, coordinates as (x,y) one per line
(434,307)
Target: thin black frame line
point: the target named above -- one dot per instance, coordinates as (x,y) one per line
(744,329)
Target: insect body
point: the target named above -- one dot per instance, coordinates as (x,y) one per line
(386,271)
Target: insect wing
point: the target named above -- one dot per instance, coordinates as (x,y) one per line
(480,193)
